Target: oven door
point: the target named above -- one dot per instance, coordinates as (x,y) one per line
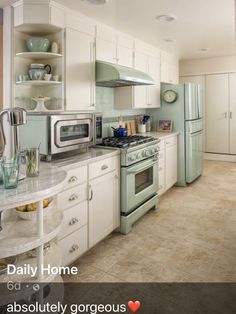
(139,182)
(73,132)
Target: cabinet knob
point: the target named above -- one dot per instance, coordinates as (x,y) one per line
(104,167)
(160,168)
(74,248)
(73,221)
(73,197)
(73,179)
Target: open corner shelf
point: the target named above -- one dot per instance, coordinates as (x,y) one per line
(38,83)
(38,55)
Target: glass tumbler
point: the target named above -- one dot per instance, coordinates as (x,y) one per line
(32,162)
(10,173)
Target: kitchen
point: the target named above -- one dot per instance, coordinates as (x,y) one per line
(97,75)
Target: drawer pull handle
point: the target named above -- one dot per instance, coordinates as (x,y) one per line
(73,197)
(74,248)
(73,179)
(73,221)
(104,167)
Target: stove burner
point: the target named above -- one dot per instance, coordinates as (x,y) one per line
(124,142)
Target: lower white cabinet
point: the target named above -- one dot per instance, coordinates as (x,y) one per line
(90,202)
(171,162)
(167,170)
(103,206)
(74,245)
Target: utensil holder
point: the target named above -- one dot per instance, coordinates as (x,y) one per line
(141,128)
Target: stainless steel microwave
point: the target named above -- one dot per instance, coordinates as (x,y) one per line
(59,133)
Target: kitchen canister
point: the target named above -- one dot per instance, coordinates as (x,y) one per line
(141,128)
(54,47)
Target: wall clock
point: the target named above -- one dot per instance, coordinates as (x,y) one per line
(170,96)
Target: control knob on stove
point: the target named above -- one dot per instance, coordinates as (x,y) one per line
(145,153)
(131,158)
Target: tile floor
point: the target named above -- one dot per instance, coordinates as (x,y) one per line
(190,238)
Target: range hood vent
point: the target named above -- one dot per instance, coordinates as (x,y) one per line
(113,75)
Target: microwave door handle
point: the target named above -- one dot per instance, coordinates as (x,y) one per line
(152,163)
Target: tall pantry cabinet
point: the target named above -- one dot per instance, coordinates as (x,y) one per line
(221,113)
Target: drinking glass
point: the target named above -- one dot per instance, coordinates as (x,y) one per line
(10,172)
(32,162)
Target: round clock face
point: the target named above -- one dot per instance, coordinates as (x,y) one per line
(170,96)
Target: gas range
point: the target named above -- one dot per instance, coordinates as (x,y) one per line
(134,148)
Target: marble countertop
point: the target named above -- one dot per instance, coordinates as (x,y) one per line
(49,183)
(92,155)
(161,134)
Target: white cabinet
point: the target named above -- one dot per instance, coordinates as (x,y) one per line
(161,168)
(133,97)
(171,162)
(90,202)
(232,113)
(113,47)
(217,113)
(167,168)
(34,12)
(102,206)
(80,71)
(169,68)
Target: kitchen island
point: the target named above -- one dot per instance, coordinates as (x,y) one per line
(19,236)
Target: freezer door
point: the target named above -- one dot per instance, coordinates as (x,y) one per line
(194,155)
(191,101)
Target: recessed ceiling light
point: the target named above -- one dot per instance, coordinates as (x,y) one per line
(204,49)
(166,18)
(169,40)
(97,2)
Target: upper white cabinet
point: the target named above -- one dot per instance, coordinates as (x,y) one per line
(169,68)
(34,12)
(146,59)
(113,47)
(80,70)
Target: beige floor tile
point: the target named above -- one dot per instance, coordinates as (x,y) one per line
(190,238)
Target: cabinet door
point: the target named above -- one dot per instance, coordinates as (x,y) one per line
(161,179)
(154,68)
(103,207)
(171,165)
(140,97)
(80,71)
(217,113)
(106,50)
(124,56)
(232,101)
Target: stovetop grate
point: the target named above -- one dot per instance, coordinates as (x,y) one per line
(124,142)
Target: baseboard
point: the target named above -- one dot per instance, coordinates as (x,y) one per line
(220,157)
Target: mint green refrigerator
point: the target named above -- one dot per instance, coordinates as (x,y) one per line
(187,117)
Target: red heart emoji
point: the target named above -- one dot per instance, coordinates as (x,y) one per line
(134,306)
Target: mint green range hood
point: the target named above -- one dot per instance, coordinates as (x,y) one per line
(113,75)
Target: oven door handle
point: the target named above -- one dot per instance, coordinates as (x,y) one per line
(152,162)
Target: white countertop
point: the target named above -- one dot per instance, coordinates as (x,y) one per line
(161,134)
(49,183)
(92,155)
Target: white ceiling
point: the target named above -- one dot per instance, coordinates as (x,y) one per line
(200,24)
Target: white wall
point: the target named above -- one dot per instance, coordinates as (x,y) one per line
(207,65)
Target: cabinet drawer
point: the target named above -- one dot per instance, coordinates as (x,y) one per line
(74,218)
(74,245)
(76,176)
(171,141)
(102,167)
(72,196)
